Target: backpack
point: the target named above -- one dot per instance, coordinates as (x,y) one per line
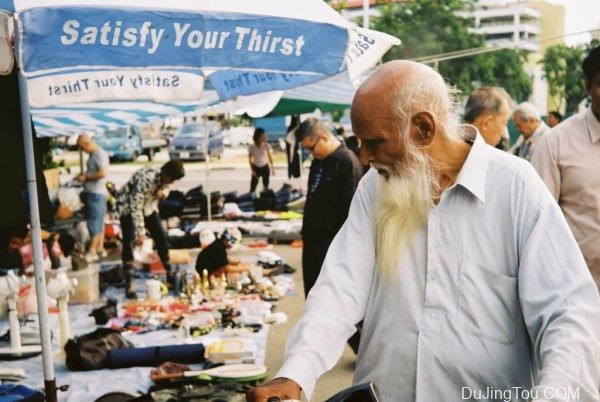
(90,351)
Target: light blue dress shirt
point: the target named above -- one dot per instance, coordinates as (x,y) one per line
(492,301)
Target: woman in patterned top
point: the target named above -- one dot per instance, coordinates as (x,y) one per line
(136,207)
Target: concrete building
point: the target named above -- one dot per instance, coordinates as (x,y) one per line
(534,25)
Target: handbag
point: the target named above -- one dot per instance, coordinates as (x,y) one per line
(90,351)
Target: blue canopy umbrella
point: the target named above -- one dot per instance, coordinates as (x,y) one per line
(161,50)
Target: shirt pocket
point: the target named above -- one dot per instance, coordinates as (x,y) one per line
(488,303)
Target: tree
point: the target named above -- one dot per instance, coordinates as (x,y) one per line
(562,71)
(429,27)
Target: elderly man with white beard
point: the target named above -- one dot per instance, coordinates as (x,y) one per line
(459,261)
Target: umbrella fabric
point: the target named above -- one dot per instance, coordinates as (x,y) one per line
(247,47)
(98,117)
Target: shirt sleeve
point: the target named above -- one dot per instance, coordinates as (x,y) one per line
(559,300)
(338,300)
(545,162)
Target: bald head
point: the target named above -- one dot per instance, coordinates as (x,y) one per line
(394,75)
(411,99)
(86,144)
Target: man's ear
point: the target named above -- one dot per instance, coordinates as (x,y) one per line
(422,128)
(484,121)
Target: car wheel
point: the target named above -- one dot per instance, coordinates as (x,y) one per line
(150,154)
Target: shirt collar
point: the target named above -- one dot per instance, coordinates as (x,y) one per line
(539,130)
(473,173)
(593,125)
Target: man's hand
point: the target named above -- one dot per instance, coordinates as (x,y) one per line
(282,388)
(160,194)
(80,178)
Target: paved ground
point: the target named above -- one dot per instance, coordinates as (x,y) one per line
(230,173)
(341,375)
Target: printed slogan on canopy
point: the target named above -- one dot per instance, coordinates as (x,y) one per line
(78,37)
(89,86)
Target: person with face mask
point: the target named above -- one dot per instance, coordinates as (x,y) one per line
(456,257)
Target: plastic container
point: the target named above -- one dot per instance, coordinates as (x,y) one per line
(88,284)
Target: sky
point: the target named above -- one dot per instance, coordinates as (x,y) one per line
(580,15)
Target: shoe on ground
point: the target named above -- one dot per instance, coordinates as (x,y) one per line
(130,294)
(91,257)
(102,253)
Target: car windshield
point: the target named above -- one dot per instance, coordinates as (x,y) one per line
(192,130)
(119,132)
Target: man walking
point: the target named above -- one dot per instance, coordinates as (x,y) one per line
(529,123)
(488,109)
(568,160)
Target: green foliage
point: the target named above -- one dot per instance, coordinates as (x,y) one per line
(430,27)
(562,71)
(504,68)
(337,115)
(48,161)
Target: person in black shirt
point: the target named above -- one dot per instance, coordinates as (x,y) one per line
(213,256)
(334,175)
(351,141)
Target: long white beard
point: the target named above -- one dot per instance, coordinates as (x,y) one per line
(405,199)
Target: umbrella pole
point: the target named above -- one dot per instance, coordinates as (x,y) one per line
(36,236)
(208,197)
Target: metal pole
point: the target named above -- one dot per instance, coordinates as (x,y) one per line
(36,235)
(366,6)
(80,161)
(208,200)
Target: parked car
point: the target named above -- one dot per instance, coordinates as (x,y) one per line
(194,141)
(127,143)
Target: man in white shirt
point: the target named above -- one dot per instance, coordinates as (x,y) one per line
(488,109)
(568,161)
(529,123)
(470,284)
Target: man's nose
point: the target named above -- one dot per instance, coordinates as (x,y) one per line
(364,156)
